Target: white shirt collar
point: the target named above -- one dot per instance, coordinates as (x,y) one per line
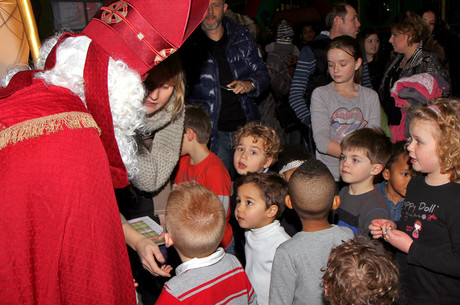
(326,33)
(268,228)
(201,262)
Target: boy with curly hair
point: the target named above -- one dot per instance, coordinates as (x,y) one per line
(361,272)
(256,148)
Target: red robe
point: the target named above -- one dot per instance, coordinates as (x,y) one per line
(61,240)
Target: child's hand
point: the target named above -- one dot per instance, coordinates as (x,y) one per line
(398,239)
(379,226)
(166,268)
(148,251)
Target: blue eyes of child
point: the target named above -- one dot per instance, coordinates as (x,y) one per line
(354,160)
(251,152)
(410,140)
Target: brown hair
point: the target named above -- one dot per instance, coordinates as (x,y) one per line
(360,272)
(198,120)
(195,219)
(447,133)
(350,46)
(272,186)
(338,10)
(268,135)
(169,71)
(374,143)
(311,189)
(361,38)
(411,24)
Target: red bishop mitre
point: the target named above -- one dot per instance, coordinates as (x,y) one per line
(141,33)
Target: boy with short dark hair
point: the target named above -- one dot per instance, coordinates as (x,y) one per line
(199,164)
(289,159)
(195,224)
(256,148)
(365,153)
(360,272)
(259,203)
(296,273)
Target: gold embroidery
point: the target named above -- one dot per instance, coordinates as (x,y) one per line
(163,54)
(46,125)
(114,12)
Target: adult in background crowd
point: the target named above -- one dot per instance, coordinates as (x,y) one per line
(431,43)
(306,33)
(369,43)
(283,46)
(407,33)
(225,74)
(67,139)
(442,39)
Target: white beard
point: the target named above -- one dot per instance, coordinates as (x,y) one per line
(126,91)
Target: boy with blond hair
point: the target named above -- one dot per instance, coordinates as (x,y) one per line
(195,224)
(259,202)
(365,153)
(296,272)
(199,164)
(256,148)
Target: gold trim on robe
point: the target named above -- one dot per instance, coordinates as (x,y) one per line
(46,125)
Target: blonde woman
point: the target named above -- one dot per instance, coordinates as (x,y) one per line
(159,143)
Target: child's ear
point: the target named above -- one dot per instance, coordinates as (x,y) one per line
(376,169)
(168,240)
(358,63)
(386,174)
(268,162)
(191,134)
(336,202)
(272,210)
(288,202)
